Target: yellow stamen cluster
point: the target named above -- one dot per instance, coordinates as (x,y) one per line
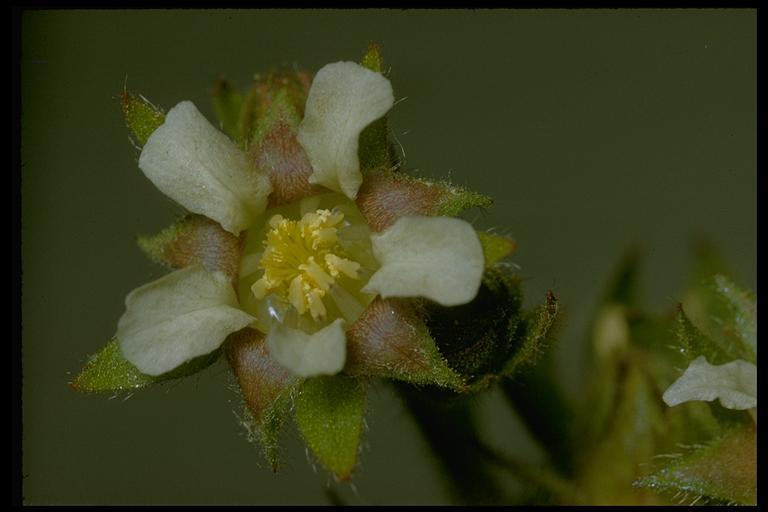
(302,260)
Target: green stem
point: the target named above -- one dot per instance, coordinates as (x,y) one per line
(448,426)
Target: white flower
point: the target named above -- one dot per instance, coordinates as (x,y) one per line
(733,383)
(309,268)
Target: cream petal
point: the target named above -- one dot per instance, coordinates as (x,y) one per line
(307,355)
(439,258)
(185,314)
(734,384)
(197,166)
(344,98)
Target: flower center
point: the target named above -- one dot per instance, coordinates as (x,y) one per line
(302,259)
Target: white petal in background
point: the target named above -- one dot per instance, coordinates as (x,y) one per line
(185,314)
(308,355)
(439,258)
(197,166)
(344,98)
(734,384)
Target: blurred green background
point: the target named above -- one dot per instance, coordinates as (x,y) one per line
(593,130)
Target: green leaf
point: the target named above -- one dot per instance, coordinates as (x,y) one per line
(141,116)
(495,247)
(538,329)
(329,416)
(724,471)
(228,103)
(109,371)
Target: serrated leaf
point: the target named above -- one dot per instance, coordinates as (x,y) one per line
(194,239)
(390,339)
(329,415)
(495,247)
(109,371)
(141,116)
(266,387)
(725,470)
(538,330)
(227,104)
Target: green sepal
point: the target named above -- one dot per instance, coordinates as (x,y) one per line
(538,328)
(109,371)
(460,199)
(266,388)
(372,58)
(387,195)
(374,147)
(289,87)
(391,340)
(726,314)
(475,338)
(266,432)
(141,116)
(194,239)
(724,471)
(495,247)
(694,343)
(227,104)
(329,416)
(742,316)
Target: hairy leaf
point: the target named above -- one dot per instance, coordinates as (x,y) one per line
(724,471)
